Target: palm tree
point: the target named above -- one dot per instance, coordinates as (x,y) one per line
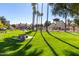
(41,15)
(38,16)
(34,12)
(47,16)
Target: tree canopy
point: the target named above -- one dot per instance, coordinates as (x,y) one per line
(4,22)
(47,23)
(76,21)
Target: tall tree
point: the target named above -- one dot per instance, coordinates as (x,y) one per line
(61,9)
(37,12)
(47,16)
(41,15)
(38,17)
(34,12)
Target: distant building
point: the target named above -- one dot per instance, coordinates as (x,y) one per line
(59,25)
(22,26)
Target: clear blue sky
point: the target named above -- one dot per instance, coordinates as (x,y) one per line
(21,12)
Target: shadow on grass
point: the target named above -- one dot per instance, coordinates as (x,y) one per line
(62,40)
(23,52)
(53,51)
(11,44)
(35,53)
(71,53)
(22,49)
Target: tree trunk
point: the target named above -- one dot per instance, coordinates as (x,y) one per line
(33,21)
(73,28)
(47,17)
(37,20)
(41,15)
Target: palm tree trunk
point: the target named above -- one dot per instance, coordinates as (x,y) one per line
(33,21)
(34,12)
(47,17)
(37,20)
(41,15)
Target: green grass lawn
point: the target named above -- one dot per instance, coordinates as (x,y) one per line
(41,44)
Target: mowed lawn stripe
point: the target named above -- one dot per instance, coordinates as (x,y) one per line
(48,43)
(75,33)
(59,46)
(39,44)
(69,38)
